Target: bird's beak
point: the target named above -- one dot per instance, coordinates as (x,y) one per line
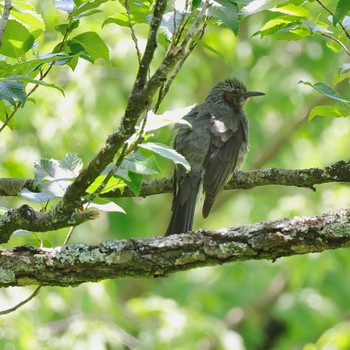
(253,93)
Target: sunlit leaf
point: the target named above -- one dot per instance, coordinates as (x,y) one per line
(27,79)
(37,197)
(276,24)
(328,111)
(256,6)
(317,27)
(65,5)
(72,162)
(54,170)
(343,73)
(16,40)
(142,162)
(87,8)
(93,44)
(157,121)
(31,65)
(27,14)
(107,207)
(113,183)
(166,152)
(292,10)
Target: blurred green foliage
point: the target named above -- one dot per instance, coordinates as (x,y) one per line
(295,303)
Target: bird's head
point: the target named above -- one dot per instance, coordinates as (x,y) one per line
(233,92)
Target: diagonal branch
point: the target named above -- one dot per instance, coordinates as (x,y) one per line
(4,18)
(160,256)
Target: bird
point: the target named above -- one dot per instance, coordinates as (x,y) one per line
(215,143)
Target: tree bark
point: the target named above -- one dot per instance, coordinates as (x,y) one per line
(160,256)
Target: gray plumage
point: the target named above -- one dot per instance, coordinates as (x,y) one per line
(215,145)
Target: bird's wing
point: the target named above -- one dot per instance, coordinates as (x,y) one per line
(222,159)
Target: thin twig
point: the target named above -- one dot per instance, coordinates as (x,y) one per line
(166,86)
(25,301)
(69,235)
(133,34)
(141,79)
(4,18)
(337,41)
(331,13)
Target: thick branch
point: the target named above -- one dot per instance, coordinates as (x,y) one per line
(27,218)
(308,178)
(160,256)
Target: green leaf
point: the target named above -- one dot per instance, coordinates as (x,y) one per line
(275,25)
(134,182)
(5,111)
(209,48)
(227,12)
(16,40)
(11,91)
(292,10)
(27,79)
(256,6)
(166,152)
(326,90)
(328,111)
(87,7)
(65,5)
(67,27)
(31,65)
(27,14)
(343,73)
(342,9)
(141,162)
(93,44)
(122,19)
(113,183)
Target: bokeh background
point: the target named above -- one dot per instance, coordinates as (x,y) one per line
(297,302)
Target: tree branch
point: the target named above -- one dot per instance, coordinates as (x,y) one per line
(27,218)
(4,18)
(160,256)
(307,178)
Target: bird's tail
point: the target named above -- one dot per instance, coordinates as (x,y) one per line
(184,204)
(208,204)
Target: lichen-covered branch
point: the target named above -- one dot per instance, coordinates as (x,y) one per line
(160,256)
(28,219)
(307,178)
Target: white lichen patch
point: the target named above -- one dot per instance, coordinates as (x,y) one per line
(187,258)
(7,276)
